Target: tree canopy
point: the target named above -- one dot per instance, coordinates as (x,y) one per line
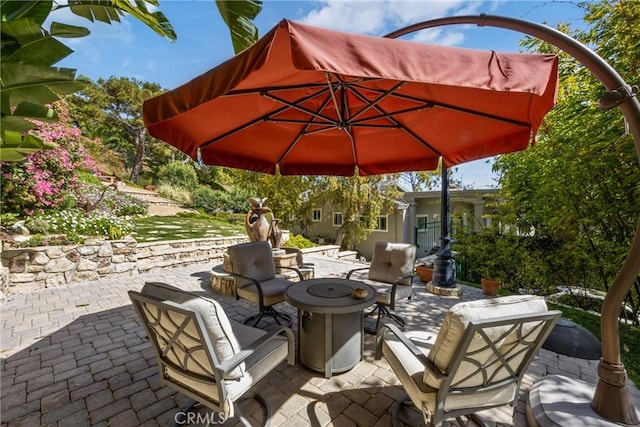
(578,188)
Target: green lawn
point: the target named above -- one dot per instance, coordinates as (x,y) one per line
(185,226)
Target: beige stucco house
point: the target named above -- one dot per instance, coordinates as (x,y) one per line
(415,218)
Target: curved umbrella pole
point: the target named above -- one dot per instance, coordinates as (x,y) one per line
(611,399)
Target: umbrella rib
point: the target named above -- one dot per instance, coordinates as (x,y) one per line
(261,90)
(240,128)
(259,119)
(339,111)
(391,114)
(377,100)
(302,132)
(452,107)
(299,108)
(344,122)
(400,125)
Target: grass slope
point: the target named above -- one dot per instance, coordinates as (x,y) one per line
(184,226)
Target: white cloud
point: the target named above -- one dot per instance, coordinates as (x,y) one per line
(121,32)
(379,17)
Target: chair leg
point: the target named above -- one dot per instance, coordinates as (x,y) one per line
(476,419)
(267,409)
(240,416)
(382,310)
(279,317)
(416,418)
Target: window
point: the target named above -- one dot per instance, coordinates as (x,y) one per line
(422,221)
(317,215)
(381,224)
(337,219)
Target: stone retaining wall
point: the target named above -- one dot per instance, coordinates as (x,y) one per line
(51,266)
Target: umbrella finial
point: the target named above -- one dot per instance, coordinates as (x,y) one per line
(277,169)
(356,171)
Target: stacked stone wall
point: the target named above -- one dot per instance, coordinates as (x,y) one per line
(50,266)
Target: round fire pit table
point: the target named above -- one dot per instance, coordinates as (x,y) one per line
(330,322)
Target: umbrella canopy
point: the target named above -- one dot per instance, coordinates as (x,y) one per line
(310,101)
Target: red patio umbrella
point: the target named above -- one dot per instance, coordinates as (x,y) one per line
(310,101)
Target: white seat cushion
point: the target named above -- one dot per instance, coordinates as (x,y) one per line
(410,372)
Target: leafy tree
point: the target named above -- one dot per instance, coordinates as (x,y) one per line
(420,180)
(114,107)
(29,79)
(578,187)
(361,200)
(293,198)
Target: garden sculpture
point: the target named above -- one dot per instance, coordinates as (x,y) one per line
(256,224)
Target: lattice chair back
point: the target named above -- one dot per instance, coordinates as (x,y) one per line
(184,351)
(201,352)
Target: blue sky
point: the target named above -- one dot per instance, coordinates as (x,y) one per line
(130,49)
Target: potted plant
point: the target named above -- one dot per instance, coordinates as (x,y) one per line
(489,255)
(425,271)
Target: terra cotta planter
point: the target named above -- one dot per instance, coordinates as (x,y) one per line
(424,273)
(490,286)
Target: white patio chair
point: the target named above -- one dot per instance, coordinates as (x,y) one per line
(391,274)
(475,362)
(203,354)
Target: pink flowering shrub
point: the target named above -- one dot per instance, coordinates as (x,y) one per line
(47,177)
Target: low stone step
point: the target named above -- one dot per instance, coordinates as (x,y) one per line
(348,255)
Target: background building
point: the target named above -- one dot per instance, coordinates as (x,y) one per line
(414,219)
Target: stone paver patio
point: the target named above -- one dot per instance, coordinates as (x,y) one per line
(77,356)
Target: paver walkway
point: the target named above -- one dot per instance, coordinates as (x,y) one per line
(77,356)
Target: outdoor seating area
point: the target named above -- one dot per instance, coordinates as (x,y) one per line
(79,355)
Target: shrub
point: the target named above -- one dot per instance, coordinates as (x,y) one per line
(7,219)
(299,241)
(77,222)
(40,240)
(211,200)
(206,198)
(43,180)
(179,175)
(178,194)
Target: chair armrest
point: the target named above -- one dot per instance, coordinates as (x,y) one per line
(428,364)
(231,363)
(356,269)
(296,270)
(258,287)
(395,285)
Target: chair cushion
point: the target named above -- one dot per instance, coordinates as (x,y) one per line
(272,291)
(392,260)
(216,322)
(410,370)
(254,260)
(459,316)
